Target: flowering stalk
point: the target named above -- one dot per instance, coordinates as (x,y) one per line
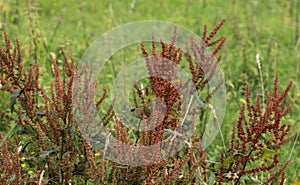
(257,138)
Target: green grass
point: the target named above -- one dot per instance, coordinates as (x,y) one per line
(264,27)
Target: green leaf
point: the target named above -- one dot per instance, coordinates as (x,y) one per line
(173,117)
(175,111)
(11,179)
(270,151)
(10,132)
(253,179)
(167,133)
(227,161)
(230,83)
(41,113)
(146,110)
(149,97)
(74,137)
(187,125)
(201,103)
(13,100)
(47,153)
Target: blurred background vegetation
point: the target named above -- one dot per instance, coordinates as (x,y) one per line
(270,28)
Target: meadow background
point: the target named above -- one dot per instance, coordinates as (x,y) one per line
(270,28)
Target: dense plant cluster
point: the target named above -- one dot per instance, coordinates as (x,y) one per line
(44,145)
(257,139)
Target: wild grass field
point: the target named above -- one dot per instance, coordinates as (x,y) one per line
(270,28)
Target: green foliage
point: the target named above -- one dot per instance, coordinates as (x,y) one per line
(265,27)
